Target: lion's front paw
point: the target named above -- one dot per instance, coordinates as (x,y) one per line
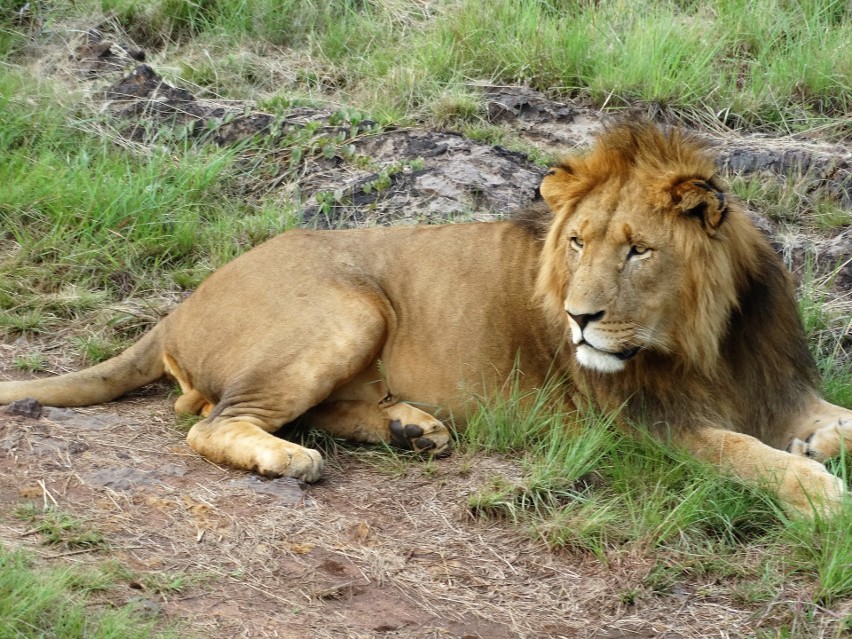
(799,447)
(810,489)
(431,437)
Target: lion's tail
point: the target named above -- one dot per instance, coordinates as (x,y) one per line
(140,364)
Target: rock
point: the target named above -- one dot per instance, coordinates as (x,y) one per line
(76,447)
(120,478)
(81,421)
(124,478)
(28,407)
(144,82)
(288,491)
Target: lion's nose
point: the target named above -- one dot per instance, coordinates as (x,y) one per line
(584,318)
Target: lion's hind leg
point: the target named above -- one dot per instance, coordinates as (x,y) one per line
(823,432)
(246,442)
(275,381)
(390,421)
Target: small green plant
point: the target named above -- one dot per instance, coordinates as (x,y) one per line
(98,348)
(494,500)
(24,322)
(385,177)
(282,104)
(829,214)
(60,529)
(184,422)
(170,582)
(457,109)
(31,363)
(327,201)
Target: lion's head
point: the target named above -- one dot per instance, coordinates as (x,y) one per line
(647,253)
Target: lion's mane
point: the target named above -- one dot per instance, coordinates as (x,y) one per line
(738,349)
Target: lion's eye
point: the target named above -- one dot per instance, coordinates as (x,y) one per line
(637,250)
(576,243)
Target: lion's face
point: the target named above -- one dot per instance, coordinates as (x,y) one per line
(624,279)
(637,259)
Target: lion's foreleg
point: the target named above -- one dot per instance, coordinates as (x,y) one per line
(395,423)
(822,432)
(803,485)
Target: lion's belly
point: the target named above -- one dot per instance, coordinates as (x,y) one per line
(449,373)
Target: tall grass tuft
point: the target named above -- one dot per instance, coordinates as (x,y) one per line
(588,485)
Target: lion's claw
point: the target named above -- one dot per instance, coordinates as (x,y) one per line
(424,443)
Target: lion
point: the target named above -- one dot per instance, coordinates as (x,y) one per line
(639,283)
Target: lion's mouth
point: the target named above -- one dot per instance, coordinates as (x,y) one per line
(627,354)
(623,356)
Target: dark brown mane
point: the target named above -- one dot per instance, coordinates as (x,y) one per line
(535,219)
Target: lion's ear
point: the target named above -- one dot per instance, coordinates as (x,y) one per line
(701,200)
(555,186)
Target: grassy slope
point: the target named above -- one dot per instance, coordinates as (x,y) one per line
(765,63)
(86,222)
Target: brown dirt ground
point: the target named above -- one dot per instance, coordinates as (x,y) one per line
(382,546)
(378,548)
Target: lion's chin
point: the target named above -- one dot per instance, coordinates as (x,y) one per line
(602,361)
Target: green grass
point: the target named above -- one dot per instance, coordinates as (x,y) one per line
(62,603)
(31,362)
(828,329)
(589,487)
(72,189)
(793,200)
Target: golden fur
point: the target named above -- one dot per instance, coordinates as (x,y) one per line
(644,285)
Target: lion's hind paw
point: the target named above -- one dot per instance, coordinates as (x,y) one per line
(414,437)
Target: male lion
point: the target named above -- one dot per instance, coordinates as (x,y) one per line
(645,288)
